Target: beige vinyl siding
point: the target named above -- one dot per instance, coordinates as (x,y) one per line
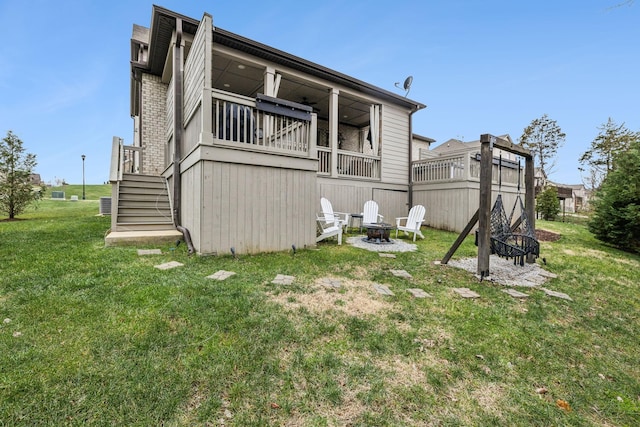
(395,145)
(450,205)
(254,208)
(350,196)
(190,205)
(195,68)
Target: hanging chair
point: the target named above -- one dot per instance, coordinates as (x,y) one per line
(509,243)
(512,241)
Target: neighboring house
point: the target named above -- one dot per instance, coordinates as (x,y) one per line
(447,182)
(35,179)
(236,142)
(573,197)
(421,147)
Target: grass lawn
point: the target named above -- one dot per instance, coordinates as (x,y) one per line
(98,336)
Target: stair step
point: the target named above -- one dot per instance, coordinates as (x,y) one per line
(150,226)
(143,197)
(143,219)
(128,177)
(148,204)
(140,186)
(134,211)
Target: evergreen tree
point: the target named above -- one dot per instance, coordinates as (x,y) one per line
(616,218)
(543,137)
(16,167)
(547,203)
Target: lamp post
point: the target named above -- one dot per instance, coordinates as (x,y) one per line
(83,195)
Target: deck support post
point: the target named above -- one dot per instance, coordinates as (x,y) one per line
(484,209)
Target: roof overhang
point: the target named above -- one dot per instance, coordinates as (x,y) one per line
(163,25)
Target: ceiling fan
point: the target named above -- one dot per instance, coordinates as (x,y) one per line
(305,101)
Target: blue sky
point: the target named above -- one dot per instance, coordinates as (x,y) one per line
(479,66)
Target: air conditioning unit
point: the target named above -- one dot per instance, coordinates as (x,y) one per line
(105,205)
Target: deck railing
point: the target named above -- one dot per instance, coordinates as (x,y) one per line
(124,159)
(237,119)
(324,161)
(463,167)
(449,168)
(357,165)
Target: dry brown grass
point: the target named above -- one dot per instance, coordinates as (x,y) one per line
(354,298)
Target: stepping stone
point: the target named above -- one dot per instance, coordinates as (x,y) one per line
(466,293)
(547,274)
(401,273)
(515,294)
(418,293)
(168,265)
(522,283)
(221,275)
(383,255)
(149,252)
(330,283)
(282,279)
(556,294)
(382,289)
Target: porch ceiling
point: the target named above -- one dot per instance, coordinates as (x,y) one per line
(249,81)
(231,74)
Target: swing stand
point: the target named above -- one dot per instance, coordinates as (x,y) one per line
(497,233)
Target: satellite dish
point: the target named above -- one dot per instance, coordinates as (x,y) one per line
(406,85)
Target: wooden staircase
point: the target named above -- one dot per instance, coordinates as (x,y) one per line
(143,212)
(143,204)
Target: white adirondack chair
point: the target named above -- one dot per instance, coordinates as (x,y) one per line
(411,223)
(370,214)
(330,217)
(327,230)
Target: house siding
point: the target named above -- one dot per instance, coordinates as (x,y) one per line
(350,196)
(154,94)
(248,207)
(395,145)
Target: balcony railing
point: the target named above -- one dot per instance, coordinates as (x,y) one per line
(358,165)
(238,119)
(324,161)
(350,164)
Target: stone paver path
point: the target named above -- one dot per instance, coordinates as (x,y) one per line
(466,293)
(382,289)
(514,293)
(330,283)
(556,294)
(221,275)
(149,252)
(418,293)
(384,255)
(282,279)
(401,273)
(548,274)
(169,265)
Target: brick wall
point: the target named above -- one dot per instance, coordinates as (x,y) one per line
(154,94)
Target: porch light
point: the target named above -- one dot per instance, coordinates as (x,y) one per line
(241,66)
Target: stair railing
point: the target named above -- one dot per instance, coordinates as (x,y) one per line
(124,159)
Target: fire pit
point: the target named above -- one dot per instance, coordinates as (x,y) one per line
(378,233)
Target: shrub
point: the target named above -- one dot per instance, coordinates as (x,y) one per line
(548,204)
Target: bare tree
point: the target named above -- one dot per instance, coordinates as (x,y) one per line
(543,137)
(597,161)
